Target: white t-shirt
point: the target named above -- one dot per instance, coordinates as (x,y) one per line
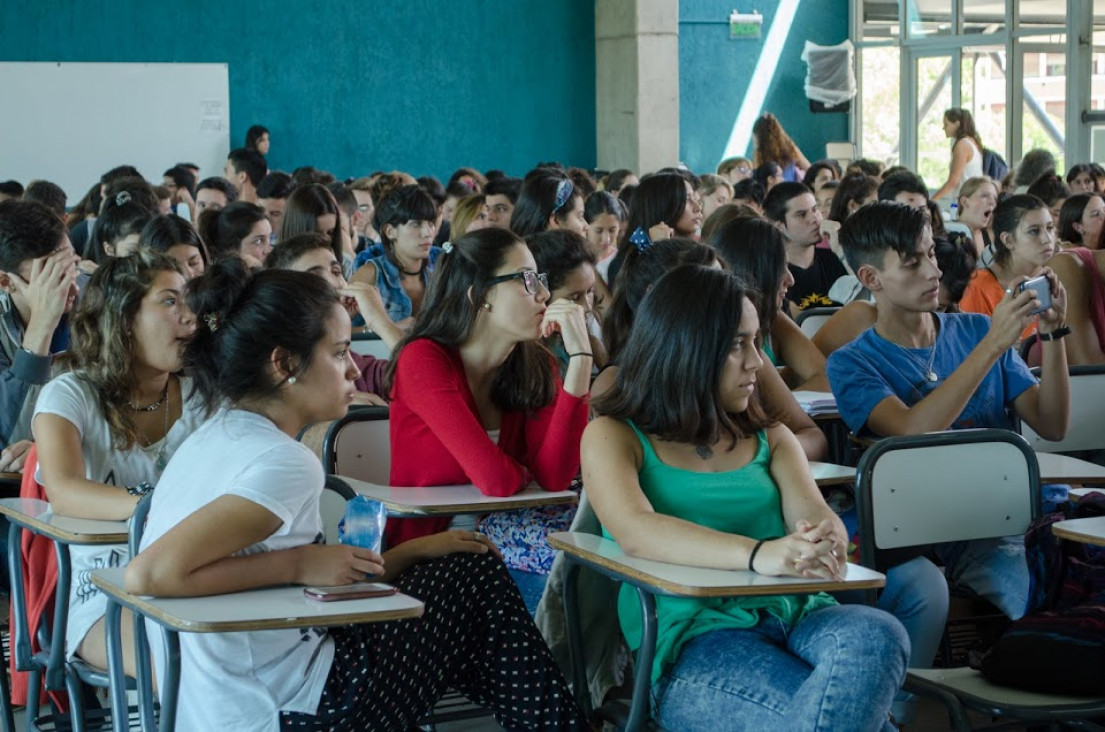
(74,399)
(241,681)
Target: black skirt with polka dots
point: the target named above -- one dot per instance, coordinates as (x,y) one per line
(474,636)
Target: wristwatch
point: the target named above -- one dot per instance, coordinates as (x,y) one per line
(1057,334)
(141,489)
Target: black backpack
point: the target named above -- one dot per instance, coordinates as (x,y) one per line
(994,165)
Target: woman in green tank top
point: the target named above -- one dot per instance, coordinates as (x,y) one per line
(684,467)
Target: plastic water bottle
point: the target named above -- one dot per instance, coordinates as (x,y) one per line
(953,212)
(363,524)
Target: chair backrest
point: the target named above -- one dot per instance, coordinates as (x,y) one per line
(370,344)
(359,445)
(335,493)
(1087,418)
(137,523)
(811,319)
(313,436)
(947,486)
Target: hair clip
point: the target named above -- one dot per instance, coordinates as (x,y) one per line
(640,239)
(447,247)
(122,197)
(212,320)
(468,182)
(563,192)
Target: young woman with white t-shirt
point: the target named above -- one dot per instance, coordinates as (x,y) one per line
(238,509)
(106,429)
(966,152)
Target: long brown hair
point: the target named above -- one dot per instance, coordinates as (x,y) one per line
(966,125)
(773,144)
(526,381)
(103,345)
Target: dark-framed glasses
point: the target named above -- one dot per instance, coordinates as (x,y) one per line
(529,278)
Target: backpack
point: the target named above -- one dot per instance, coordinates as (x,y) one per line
(994,165)
(1059,646)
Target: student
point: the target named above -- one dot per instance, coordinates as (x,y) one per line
(118,227)
(48,194)
(312,253)
(614,181)
(502,195)
(548,200)
(179,239)
(643,267)
(11,190)
(258,139)
(272,195)
(773,145)
(38,286)
(344,225)
(713,191)
(366,211)
(238,509)
(664,206)
(1080,179)
(106,429)
(1050,189)
(750,193)
(820,173)
(214,193)
(735,169)
(905,187)
(1080,270)
(470,215)
(239,230)
(978,197)
(1024,240)
(956,258)
(567,260)
(682,466)
(1080,220)
(920,371)
(793,209)
(756,251)
(311,207)
(966,162)
(475,398)
(182,190)
(245,169)
(400,267)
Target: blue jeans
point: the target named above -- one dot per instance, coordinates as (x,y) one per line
(837,669)
(994,569)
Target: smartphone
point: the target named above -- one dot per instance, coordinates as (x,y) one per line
(1042,287)
(357,591)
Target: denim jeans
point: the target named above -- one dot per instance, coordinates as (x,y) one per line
(837,669)
(994,569)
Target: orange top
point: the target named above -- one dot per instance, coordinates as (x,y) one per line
(983,294)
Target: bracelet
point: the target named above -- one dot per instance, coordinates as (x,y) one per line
(141,489)
(581,353)
(752,556)
(1055,335)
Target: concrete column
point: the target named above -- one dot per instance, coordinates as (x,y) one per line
(637,83)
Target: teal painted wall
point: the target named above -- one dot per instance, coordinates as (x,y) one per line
(715,72)
(358,85)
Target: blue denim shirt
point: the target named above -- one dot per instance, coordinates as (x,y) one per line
(396,302)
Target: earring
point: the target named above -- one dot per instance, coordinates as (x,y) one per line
(486,306)
(291,379)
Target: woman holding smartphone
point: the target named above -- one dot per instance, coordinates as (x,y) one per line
(1024,240)
(238,509)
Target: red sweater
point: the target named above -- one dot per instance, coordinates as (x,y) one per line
(437,437)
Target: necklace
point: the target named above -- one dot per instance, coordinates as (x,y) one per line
(156,405)
(408,273)
(161,460)
(704,451)
(926,367)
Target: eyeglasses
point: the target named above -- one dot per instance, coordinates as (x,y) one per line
(364,207)
(529,279)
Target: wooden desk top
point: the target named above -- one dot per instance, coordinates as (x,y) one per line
(679,579)
(451,500)
(826,474)
(1056,468)
(272,608)
(1084,530)
(37,516)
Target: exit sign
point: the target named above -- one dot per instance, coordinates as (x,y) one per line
(747,26)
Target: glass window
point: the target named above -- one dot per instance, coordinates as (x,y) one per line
(1044,107)
(880,99)
(1043,14)
(880,20)
(928,18)
(983,93)
(983,16)
(934,95)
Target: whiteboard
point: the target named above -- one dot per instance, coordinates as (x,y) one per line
(71,122)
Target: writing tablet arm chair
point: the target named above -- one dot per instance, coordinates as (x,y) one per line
(1086,432)
(810,320)
(359,445)
(651,578)
(913,492)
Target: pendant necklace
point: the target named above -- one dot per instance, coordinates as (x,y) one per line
(926,370)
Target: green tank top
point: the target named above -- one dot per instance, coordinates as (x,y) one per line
(744,501)
(770,352)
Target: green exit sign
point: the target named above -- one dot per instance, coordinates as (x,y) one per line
(746,26)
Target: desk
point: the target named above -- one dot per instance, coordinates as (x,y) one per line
(37,516)
(265,609)
(451,500)
(687,581)
(1084,530)
(827,474)
(1056,468)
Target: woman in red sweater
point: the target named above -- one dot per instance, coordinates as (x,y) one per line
(475,397)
